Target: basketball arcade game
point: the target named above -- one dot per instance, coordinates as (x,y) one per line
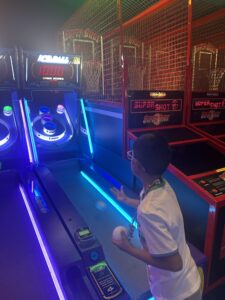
(207,115)
(22,256)
(196,162)
(206,104)
(52,113)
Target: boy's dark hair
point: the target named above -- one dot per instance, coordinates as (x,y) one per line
(153,152)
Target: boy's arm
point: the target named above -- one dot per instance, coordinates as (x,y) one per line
(122,197)
(171,262)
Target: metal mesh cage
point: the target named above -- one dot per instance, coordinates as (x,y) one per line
(160,48)
(84,34)
(142,44)
(208,46)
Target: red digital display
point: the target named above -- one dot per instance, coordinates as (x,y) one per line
(143,106)
(52,71)
(200,104)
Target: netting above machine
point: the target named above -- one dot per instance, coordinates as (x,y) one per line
(131,8)
(208,46)
(160,44)
(99,16)
(144,44)
(202,8)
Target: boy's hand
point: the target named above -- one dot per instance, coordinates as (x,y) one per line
(119,194)
(123,243)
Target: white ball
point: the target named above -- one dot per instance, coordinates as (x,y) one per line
(118,231)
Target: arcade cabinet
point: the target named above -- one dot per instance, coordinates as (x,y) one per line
(195,173)
(144,85)
(206,104)
(52,107)
(25,271)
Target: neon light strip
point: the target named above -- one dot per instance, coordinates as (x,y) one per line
(109,199)
(32,186)
(77,73)
(29,148)
(5,139)
(26,76)
(55,279)
(34,150)
(13,73)
(49,138)
(87,127)
(69,122)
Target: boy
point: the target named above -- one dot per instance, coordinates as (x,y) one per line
(172,272)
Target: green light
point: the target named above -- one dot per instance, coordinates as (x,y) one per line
(7,108)
(98,267)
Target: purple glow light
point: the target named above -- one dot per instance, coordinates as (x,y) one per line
(53,273)
(31,159)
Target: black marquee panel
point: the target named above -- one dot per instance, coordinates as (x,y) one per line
(149,109)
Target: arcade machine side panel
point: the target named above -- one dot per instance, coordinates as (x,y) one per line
(204,175)
(105,121)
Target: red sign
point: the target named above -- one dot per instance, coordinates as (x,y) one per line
(203,104)
(165,105)
(52,71)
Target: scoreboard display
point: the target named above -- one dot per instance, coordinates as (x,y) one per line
(208,107)
(148,109)
(51,71)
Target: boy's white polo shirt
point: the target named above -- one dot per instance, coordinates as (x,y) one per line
(161,231)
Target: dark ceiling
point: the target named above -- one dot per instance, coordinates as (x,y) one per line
(33,24)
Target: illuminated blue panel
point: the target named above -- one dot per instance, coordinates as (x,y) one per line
(31,131)
(109,199)
(87,127)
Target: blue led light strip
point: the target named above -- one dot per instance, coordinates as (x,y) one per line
(52,271)
(109,199)
(26,132)
(31,131)
(87,127)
